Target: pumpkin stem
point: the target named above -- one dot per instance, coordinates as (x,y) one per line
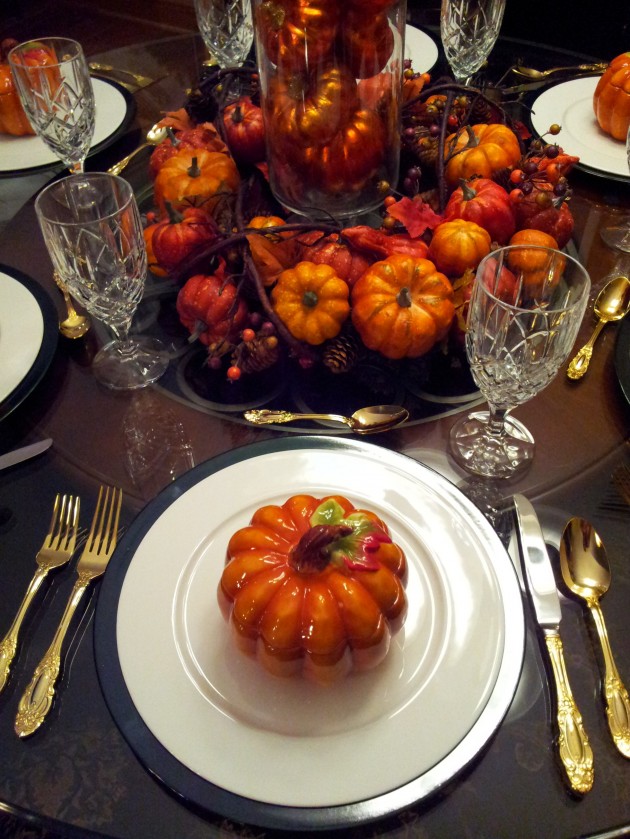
(468,193)
(237,115)
(173,215)
(309,299)
(403,298)
(172,136)
(312,552)
(193,170)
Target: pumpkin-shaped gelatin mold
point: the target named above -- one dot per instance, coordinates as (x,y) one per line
(314,587)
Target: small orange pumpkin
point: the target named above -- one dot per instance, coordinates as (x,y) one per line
(611,100)
(457,245)
(480,150)
(402,306)
(312,302)
(314,587)
(195,178)
(532,265)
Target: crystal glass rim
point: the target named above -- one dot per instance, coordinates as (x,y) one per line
(544,309)
(47,40)
(85,176)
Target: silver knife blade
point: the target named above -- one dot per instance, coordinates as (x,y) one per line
(26,452)
(538,571)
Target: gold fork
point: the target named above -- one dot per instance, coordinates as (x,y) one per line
(101,541)
(141,81)
(56,550)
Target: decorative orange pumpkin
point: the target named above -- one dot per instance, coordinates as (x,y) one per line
(210,307)
(366,43)
(348,264)
(402,306)
(457,245)
(297,36)
(204,136)
(611,100)
(152,262)
(177,236)
(195,178)
(480,150)
(487,204)
(314,587)
(13,120)
(532,265)
(312,302)
(543,211)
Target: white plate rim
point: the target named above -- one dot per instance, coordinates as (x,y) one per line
(420,48)
(573,101)
(206,794)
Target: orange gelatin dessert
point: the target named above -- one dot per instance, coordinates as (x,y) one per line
(314,587)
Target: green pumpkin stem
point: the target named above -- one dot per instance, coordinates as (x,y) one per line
(310,299)
(468,193)
(312,553)
(173,215)
(193,170)
(403,298)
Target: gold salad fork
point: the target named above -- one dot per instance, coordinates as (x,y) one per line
(56,550)
(140,81)
(101,541)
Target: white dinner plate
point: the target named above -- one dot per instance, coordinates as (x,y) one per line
(420,48)
(230,737)
(27,337)
(570,104)
(19,154)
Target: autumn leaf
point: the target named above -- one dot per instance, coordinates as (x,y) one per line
(415,215)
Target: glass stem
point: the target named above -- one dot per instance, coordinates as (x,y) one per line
(496,421)
(76,168)
(121,333)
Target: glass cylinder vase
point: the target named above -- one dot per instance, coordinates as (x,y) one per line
(331,78)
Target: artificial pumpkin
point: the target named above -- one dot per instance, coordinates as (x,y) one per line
(487,204)
(347,263)
(210,307)
(480,150)
(457,245)
(272,253)
(314,587)
(533,266)
(543,211)
(366,43)
(204,136)
(611,100)
(312,302)
(402,306)
(379,245)
(245,130)
(179,235)
(152,262)
(13,120)
(195,178)
(297,36)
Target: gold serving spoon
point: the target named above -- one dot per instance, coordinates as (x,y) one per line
(75,325)
(155,135)
(612,303)
(539,75)
(364,421)
(586,572)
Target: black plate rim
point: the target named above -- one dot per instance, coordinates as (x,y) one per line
(622,357)
(195,791)
(47,348)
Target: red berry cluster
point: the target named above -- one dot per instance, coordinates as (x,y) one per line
(541,174)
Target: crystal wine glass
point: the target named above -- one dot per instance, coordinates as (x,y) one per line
(53,81)
(469,29)
(524,313)
(227,29)
(92,229)
(619,235)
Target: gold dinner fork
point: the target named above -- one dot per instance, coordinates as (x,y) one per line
(101,541)
(141,81)
(56,550)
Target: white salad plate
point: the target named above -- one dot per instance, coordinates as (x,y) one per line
(229,737)
(420,48)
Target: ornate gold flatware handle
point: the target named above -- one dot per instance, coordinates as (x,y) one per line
(38,696)
(267,417)
(579,365)
(8,645)
(573,745)
(615,693)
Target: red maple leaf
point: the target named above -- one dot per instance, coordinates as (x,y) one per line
(416,215)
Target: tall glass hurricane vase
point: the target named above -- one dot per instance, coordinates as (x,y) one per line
(469,30)
(92,229)
(331,88)
(524,314)
(226,28)
(53,81)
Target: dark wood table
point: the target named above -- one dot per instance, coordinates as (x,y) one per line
(78,776)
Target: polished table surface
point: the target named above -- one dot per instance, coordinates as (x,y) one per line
(78,775)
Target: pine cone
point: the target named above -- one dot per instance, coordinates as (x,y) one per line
(427,151)
(481,111)
(258,355)
(341,353)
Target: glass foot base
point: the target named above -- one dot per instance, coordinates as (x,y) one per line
(617,237)
(484,454)
(130,366)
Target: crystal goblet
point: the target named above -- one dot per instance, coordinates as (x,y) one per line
(227,29)
(469,29)
(525,310)
(619,236)
(92,229)
(53,81)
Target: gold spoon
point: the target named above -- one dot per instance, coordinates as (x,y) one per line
(75,325)
(612,303)
(586,572)
(363,421)
(539,75)
(155,135)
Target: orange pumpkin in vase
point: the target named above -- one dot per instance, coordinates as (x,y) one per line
(314,587)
